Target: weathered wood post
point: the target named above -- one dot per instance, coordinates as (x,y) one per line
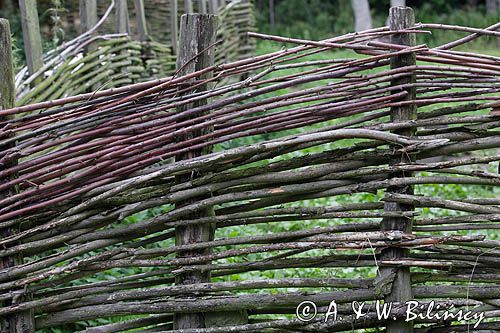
(197,33)
(141,20)
(174,24)
(400,18)
(22,322)
(31,36)
(7,88)
(121,17)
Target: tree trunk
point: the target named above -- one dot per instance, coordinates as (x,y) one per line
(492,7)
(362,17)
(472,4)
(272,19)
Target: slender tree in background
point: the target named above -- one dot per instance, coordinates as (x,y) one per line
(493,6)
(362,16)
(272,21)
(472,3)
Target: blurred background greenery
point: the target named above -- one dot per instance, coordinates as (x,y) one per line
(318,19)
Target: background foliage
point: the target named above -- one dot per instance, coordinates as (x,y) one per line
(318,19)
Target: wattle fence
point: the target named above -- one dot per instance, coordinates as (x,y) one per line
(117,49)
(204,202)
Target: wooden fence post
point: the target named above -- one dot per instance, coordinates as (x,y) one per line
(21,322)
(188,6)
(121,17)
(88,14)
(213,6)
(174,24)
(88,19)
(31,36)
(196,34)
(202,6)
(400,18)
(141,20)
(7,89)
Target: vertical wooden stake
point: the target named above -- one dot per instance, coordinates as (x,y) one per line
(7,90)
(141,20)
(88,19)
(400,18)
(197,33)
(122,26)
(31,36)
(121,17)
(188,6)
(22,322)
(174,24)
(213,6)
(202,6)
(88,14)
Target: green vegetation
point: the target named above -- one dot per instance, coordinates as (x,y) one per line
(316,19)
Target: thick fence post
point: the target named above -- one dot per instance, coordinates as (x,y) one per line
(141,20)
(197,33)
(121,17)
(31,36)
(400,18)
(22,322)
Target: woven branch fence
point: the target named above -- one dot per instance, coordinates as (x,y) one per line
(111,56)
(187,205)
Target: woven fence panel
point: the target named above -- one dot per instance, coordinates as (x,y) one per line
(116,61)
(298,175)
